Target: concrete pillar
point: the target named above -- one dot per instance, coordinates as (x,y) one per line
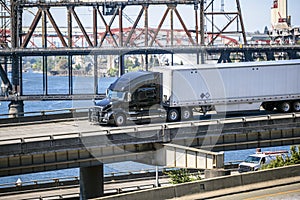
(219,160)
(91,182)
(16,109)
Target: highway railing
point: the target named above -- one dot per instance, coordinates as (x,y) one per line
(45,112)
(73,182)
(42,115)
(154,127)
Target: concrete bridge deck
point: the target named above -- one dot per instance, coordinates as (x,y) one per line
(59,144)
(69,143)
(79,127)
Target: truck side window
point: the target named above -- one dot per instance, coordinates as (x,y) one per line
(145,94)
(151,93)
(142,95)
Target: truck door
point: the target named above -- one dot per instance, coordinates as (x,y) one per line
(143,99)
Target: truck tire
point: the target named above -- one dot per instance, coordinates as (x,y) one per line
(186,114)
(173,115)
(120,119)
(284,107)
(296,106)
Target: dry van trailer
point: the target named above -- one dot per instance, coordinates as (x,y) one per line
(174,92)
(230,87)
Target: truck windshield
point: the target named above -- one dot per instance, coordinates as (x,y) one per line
(115,95)
(252,159)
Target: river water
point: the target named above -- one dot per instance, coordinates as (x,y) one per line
(33,84)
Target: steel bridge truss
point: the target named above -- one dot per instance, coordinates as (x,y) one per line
(107,18)
(112,16)
(105,31)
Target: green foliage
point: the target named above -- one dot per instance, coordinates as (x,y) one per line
(37,65)
(112,72)
(182,176)
(129,63)
(78,66)
(179,176)
(293,159)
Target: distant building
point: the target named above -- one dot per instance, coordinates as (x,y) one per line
(279,17)
(282,32)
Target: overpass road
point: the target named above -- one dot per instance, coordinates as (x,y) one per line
(288,189)
(69,143)
(80,125)
(291,192)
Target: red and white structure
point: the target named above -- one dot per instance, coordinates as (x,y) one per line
(279,16)
(282,31)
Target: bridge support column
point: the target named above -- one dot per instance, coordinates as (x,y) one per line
(16,109)
(91,182)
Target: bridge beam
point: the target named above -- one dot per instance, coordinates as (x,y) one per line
(91,182)
(270,55)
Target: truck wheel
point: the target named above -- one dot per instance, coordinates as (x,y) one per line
(296,106)
(268,106)
(173,115)
(186,114)
(284,107)
(120,119)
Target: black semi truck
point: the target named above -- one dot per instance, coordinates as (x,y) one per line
(172,93)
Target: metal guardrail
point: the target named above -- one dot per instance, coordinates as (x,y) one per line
(152,127)
(47,112)
(62,183)
(38,182)
(112,176)
(52,197)
(57,97)
(73,182)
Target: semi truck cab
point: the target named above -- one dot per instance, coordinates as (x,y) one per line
(135,96)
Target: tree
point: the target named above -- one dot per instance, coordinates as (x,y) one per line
(280,161)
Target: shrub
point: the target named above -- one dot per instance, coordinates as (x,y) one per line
(293,159)
(182,176)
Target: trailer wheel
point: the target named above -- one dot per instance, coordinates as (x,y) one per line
(284,107)
(268,106)
(173,115)
(186,114)
(120,119)
(296,106)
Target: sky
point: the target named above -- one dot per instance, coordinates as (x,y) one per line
(257,13)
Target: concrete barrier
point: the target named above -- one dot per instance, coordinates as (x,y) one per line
(211,184)
(194,187)
(270,174)
(156,193)
(218,183)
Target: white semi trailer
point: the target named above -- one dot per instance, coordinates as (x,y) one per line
(177,91)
